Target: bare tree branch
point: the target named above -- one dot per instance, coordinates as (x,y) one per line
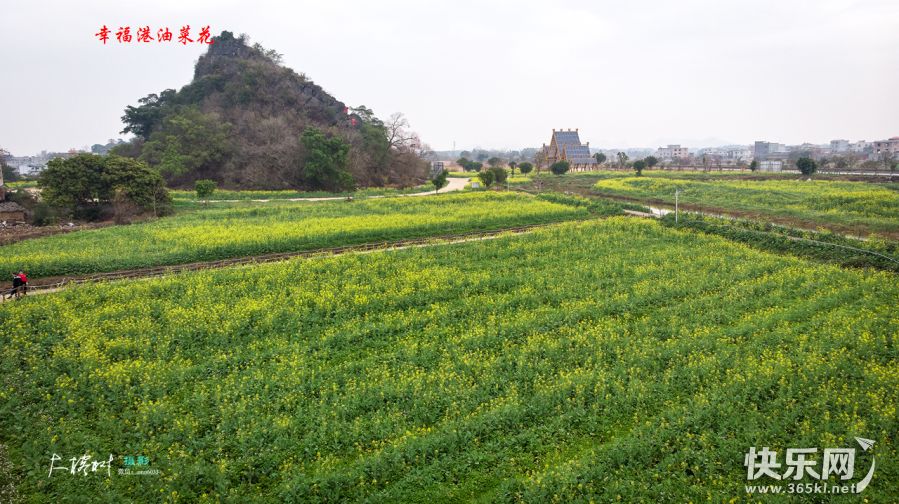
(397,135)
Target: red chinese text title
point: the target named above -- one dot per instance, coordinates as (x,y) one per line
(144,34)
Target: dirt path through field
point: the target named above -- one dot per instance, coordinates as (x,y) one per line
(453,184)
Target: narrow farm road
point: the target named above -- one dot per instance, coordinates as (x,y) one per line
(453,184)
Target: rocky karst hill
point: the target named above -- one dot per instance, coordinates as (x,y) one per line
(240,119)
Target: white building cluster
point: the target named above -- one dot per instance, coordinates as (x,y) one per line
(773,156)
(672,152)
(29,166)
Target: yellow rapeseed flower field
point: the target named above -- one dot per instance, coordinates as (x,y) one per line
(858,207)
(593,361)
(259,228)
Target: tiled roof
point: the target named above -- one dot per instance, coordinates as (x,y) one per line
(579,154)
(567,137)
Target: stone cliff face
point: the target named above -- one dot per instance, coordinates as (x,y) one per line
(231,63)
(225,46)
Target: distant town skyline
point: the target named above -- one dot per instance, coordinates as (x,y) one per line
(692,146)
(490,74)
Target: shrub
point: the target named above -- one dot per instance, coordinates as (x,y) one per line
(560,167)
(639,166)
(499,174)
(204,189)
(439,180)
(806,166)
(44,215)
(487,177)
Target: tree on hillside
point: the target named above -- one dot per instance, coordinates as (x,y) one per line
(402,156)
(639,166)
(559,167)
(273,55)
(651,161)
(439,180)
(599,157)
(325,161)
(806,165)
(754,165)
(374,156)
(188,143)
(525,168)
(143,119)
(398,135)
(389,153)
(494,162)
(622,160)
(86,185)
(512,166)
(204,189)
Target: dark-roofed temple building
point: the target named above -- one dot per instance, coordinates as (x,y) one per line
(566,146)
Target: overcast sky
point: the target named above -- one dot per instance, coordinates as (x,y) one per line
(486,73)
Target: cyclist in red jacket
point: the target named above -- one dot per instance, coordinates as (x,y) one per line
(24,279)
(19,285)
